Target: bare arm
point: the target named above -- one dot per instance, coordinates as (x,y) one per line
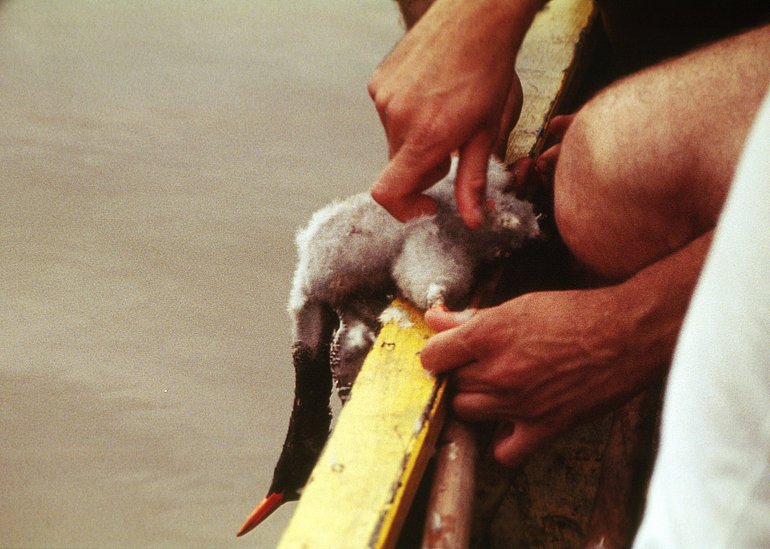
(412,10)
(545,361)
(637,197)
(445,87)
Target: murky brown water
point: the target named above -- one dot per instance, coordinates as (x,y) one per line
(155,160)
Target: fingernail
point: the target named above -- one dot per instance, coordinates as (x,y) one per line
(439,306)
(476,218)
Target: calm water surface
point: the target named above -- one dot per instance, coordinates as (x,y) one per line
(155,160)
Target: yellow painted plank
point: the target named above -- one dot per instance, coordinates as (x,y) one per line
(359,491)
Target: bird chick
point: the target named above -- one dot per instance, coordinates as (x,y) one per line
(353,258)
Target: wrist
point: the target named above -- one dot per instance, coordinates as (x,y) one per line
(651,306)
(506,20)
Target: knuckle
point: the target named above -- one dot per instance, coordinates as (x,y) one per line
(427,130)
(408,116)
(394,109)
(504,458)
(395,207)
(382,99)
(542,411)
(371,87)
(381,195)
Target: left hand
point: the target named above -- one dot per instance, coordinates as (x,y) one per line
(539,363)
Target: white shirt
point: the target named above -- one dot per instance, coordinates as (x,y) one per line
(711,482)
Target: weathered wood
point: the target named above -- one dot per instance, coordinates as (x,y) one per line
(547,64)
(626,468)
(360,490)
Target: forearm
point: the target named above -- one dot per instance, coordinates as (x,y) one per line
(652,305)
(412,10)
(513,14)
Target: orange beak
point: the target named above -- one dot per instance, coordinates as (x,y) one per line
(262,511)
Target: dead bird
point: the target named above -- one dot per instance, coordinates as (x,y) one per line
(353,258)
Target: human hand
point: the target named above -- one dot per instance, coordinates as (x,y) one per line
(539,364)
(448,86)
(531,174)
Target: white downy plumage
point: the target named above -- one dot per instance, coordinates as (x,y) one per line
(353,257)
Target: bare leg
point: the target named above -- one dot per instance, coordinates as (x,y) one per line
(678,128)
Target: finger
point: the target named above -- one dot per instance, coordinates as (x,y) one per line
(436,174)
(510,116)
(559,125)
(524,180)
(520,171)
(514,443)
(478,406)
(478,377)
(446,351)
(546,163)
(471,181)
(399,187)
(441,318)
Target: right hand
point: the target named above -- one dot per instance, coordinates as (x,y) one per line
(446,87)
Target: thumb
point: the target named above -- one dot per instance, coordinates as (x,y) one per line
(509,116)
(515,442)
(439,318)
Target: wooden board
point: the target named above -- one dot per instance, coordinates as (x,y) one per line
(548,62)
(361,488)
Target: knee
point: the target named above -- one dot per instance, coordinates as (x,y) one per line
(617,201)
(594,163)
(587,183)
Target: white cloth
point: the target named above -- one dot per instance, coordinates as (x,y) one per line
(711,482)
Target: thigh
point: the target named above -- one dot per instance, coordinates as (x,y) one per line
(645,165)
